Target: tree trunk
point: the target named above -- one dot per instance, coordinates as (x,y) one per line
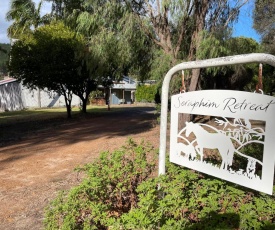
(84,104)
(201,10)
(68,107)
(68,101)
(194,79)
(107,97)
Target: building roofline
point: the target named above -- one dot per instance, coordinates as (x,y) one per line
(8,80)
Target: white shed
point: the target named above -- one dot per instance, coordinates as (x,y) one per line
(15,96)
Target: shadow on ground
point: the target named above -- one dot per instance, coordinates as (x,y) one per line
(124,121)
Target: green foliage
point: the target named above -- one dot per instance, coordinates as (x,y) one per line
(263,23)
(147,93)
(160,65)
(48,58)
(239,77)
(113,35)
(211,46)
(95,94)
(188,200)
(243,45)
(52,58)
(145,39)
(108,191)
(24,15)
(119,194)
(4,57)
(263,16)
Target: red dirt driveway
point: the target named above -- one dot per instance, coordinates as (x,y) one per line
(35,164)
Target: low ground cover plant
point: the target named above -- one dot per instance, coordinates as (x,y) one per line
(121,192)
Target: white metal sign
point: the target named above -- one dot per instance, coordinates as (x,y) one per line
(237,144)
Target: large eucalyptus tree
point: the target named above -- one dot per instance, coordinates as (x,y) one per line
(113,38)
(112,31)
(176,26)
(159,33)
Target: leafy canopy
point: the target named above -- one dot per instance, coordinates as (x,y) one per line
(264,23)
(49,59)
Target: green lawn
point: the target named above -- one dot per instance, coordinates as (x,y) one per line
(33,114)
(50,114)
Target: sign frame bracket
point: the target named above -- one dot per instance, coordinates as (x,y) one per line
(214,62)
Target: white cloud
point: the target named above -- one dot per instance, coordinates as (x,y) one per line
(4,8)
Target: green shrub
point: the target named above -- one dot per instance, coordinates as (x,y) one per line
(108,190)
(119,193)
(96,93)
(189,200)
(147,93)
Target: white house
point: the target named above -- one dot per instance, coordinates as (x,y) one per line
(123,92)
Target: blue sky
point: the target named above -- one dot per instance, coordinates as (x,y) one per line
(245,23)
(242,28)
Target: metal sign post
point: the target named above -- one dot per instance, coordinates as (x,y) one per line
(230,60)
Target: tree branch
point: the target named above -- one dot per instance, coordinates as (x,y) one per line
(234,13)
